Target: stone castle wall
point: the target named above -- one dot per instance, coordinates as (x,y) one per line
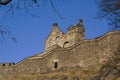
(85,53)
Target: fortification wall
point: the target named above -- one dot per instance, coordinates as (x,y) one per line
(83,54)
(6,72)
(92,52)
(29,66)
(86,53)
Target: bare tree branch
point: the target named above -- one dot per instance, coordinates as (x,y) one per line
(27,5)
(5,32)
(110,10)
(5,2)
(58,13)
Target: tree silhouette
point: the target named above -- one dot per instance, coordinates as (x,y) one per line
(2,2)
(5,32)
(110,10)
(28,5)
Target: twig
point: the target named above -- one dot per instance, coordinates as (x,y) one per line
(5,2)
(53,7)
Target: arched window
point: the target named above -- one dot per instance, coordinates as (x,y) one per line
(66,44)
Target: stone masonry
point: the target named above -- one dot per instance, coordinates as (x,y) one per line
(65,51)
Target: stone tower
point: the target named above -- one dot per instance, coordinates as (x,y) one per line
(57,38)
(52,39)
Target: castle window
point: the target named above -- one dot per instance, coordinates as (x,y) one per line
(55,65)
(66,44)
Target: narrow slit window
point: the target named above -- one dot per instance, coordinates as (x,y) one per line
(55,65)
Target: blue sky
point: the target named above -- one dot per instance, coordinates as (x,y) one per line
(31,32)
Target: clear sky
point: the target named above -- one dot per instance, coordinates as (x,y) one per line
(31,32)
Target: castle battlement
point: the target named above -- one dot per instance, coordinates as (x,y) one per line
(8,64)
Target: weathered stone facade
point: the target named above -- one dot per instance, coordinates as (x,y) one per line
(67,51)
(74,35)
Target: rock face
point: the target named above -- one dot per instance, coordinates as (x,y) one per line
(70,57)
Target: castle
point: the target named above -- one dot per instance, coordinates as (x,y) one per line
(65,51)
